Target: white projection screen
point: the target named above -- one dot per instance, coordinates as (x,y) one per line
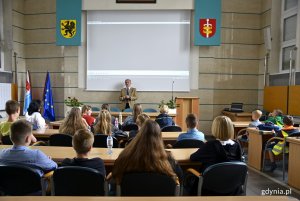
(152,48)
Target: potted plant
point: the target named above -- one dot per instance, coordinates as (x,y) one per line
(72,102)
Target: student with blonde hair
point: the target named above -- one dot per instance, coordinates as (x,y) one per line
(163,119)
(87,114)
(256,114)
(141,119)
(104,125)
(146,153)
(73,122)
(83,143)
(137,109)
(222,149)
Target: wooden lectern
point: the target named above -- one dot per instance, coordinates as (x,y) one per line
(186,105)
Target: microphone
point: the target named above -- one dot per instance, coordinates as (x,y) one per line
(172,90)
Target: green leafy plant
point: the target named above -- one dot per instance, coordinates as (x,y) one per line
(73,102)
(171,104)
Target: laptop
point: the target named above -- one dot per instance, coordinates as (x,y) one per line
(235,107)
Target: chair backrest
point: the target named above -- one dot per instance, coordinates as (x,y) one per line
(17,180)
(147,184)
(149,110)
(115,109)
(6,140)
(100,141)
(188,143)
(127,110)
(130,127)
(77,181)
(228,178)
(209,137)
(62,140)
(95,109)
(171,129)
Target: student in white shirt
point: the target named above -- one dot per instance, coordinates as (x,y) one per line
(34,116)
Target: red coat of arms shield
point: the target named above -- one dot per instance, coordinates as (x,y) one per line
(207,27)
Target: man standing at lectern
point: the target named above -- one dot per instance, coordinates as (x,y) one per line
(128,95)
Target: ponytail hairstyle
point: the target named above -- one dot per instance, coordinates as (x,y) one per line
(137,109)
(104,124)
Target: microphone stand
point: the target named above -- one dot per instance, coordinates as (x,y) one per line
(172,90)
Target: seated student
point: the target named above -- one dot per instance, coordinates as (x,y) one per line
(276,147)
(255,123)
(12,109)
(192,133)
(137,109)
(136,157)
(34,116)
(21,154)
(163,119)
(222,149)
(141,118)
(86,114)
(106,106)
(256,114)
(276,117)
(104,125)
(73,122)
(82,143)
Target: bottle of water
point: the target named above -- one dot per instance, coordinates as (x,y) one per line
(116,123)
(109,143)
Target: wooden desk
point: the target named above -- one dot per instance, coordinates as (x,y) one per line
(46,133)
(294,162)
(179,198)
(257,138)
(60,153)
(152,115)
(55,124)
(239,125)
(243,116)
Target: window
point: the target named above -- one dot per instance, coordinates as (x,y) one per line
(289,23)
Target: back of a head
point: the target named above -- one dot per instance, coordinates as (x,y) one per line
(12,107)
(105,106)
(222,128)
(288,120)
(82,141)
(164,109)
(145,153)
(137,109)
(104,124)
(72,122)
(34,106)
(141,118)
(191,121)
(257,113)
(85,108)
(19,130)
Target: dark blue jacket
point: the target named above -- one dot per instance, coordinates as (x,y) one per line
(164,120)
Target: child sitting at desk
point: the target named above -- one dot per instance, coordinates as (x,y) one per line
(256,114)
(276,117)
(21,154)
(34,116)
(12,109)
(192,133)
(276,147)
(82,143)
(86,114)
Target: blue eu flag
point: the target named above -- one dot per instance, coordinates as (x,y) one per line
(48,100)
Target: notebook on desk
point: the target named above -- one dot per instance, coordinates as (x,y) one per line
(235,107)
